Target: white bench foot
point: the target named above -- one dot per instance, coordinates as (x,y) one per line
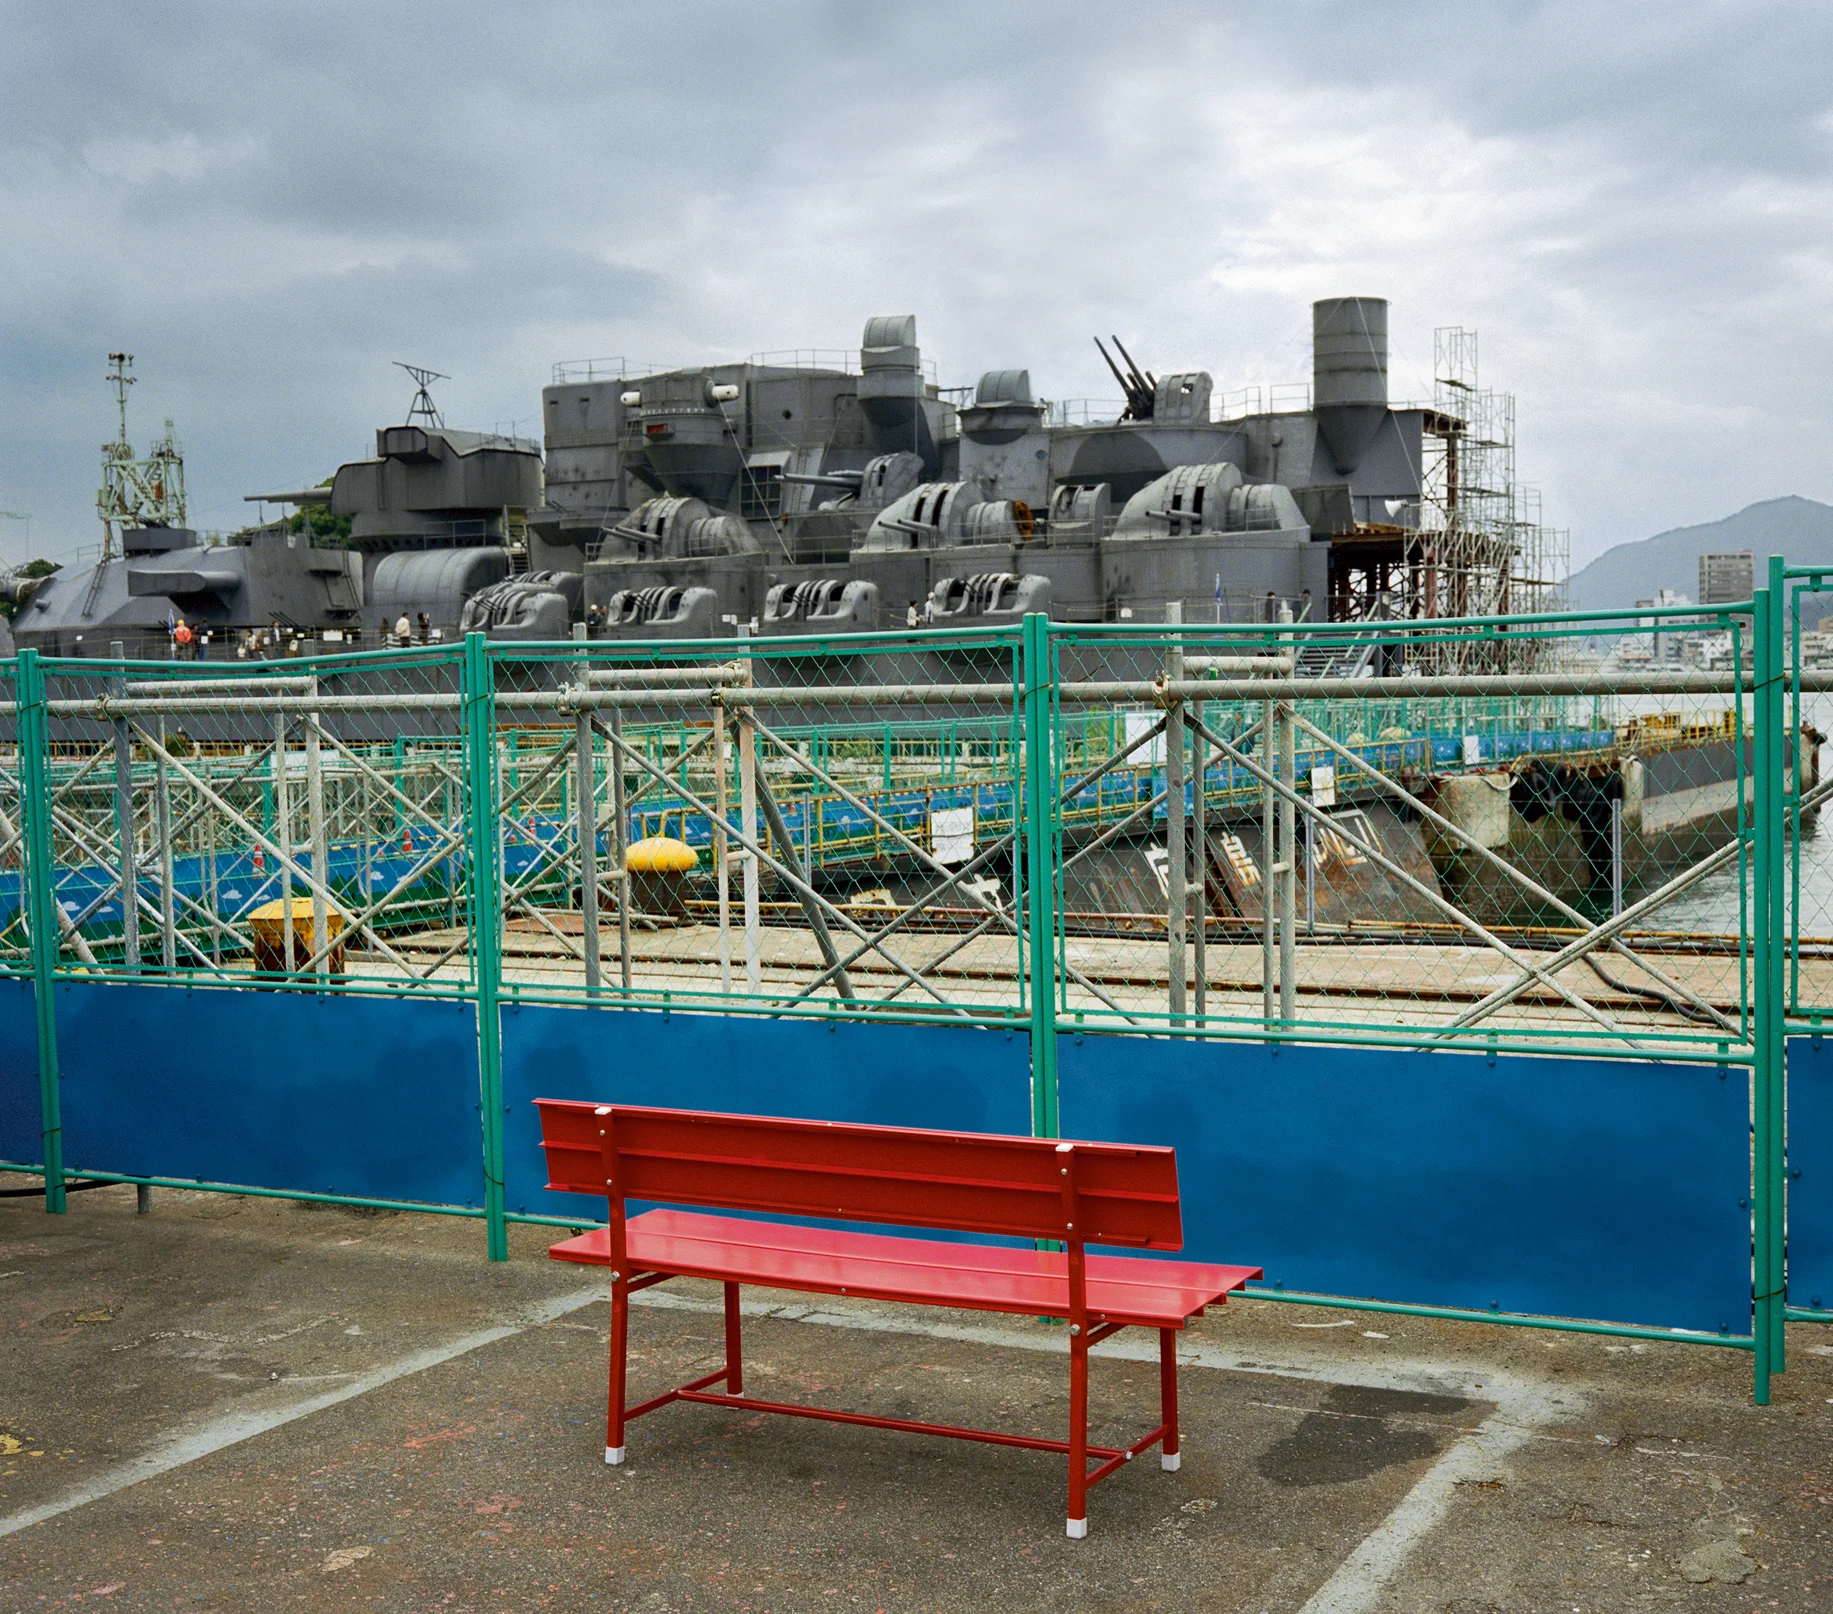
(614,1455)
(1078,1529)
(1170,1461)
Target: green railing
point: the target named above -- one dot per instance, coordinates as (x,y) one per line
(1143,828)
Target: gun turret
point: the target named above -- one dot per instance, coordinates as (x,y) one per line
(1140,386)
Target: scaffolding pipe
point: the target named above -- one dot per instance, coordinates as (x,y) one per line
(1267,756)
(1199,826)
(283,838)
(747,827)
(1616,857)
(1531,887)
(620,847)
(1422,687)
(1288,848)
(811,909)
(1532,971)
(321,848)
(162,805)
(103,707)
(724,673)
(1281,663)
(124,826)
(586,832)
(1177,899)
(997,695)
(722,866)
(182,686)
(216,900)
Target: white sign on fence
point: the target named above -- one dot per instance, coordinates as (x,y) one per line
(1473,750)
(1139,724)
(951,834)
(1323,787)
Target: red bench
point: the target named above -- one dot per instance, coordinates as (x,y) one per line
(1030,1188)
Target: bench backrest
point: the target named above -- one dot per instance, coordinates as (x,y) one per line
(967,1182)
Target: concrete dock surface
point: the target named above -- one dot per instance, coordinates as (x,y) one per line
(1375,981)
(238,1403)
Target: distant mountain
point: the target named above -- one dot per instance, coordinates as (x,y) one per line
(1801,529)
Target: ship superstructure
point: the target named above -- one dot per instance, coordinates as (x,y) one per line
(828,492)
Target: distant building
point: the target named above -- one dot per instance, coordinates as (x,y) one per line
(1665,643)
(1726,577)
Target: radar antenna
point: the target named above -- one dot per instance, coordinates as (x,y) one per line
(422,406)
(121,378)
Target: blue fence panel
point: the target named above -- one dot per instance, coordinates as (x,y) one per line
(21,1133)
(1599,1189)
(1810,1173)
(889,1075)
(375,1098)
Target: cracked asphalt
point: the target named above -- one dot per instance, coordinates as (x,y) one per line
(423,1430)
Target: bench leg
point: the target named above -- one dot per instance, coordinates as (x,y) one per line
(1078,1437)
(735,1363)
(1169,1458)
(614,1399)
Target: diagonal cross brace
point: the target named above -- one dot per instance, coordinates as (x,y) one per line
(1288,793)
(1532,887)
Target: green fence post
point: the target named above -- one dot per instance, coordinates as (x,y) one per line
(1040,870)
(41,916)
(1771,995)
(486,931)
(1770,945)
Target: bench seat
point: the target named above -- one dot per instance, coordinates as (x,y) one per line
(1052,1198)
(1127,1290)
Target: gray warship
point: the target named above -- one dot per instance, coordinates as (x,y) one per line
(794,493)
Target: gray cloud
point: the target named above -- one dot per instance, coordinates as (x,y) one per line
(267,206)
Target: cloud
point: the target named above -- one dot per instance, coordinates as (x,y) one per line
(268,206)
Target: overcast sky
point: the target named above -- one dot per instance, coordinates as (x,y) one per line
(266,205)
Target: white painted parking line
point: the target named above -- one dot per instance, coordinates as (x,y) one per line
(1522,1408)
(239,1426)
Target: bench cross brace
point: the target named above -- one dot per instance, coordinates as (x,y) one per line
(1111,1459)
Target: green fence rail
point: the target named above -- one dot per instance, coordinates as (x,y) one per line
(1144,828)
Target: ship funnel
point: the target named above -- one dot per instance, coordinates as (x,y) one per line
(1349,374)
(891,393)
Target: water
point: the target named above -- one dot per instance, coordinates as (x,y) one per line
(1712,906)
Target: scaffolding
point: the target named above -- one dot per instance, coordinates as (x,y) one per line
(1481,548)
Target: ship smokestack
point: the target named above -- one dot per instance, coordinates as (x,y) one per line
(1349,374)
(891,390)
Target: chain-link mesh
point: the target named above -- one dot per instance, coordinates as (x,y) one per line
(1807,607)
(1310,831)
(15,931)
(290,825)
(1542,852)
(757,826)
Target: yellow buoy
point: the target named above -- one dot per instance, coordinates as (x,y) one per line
(660,854)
